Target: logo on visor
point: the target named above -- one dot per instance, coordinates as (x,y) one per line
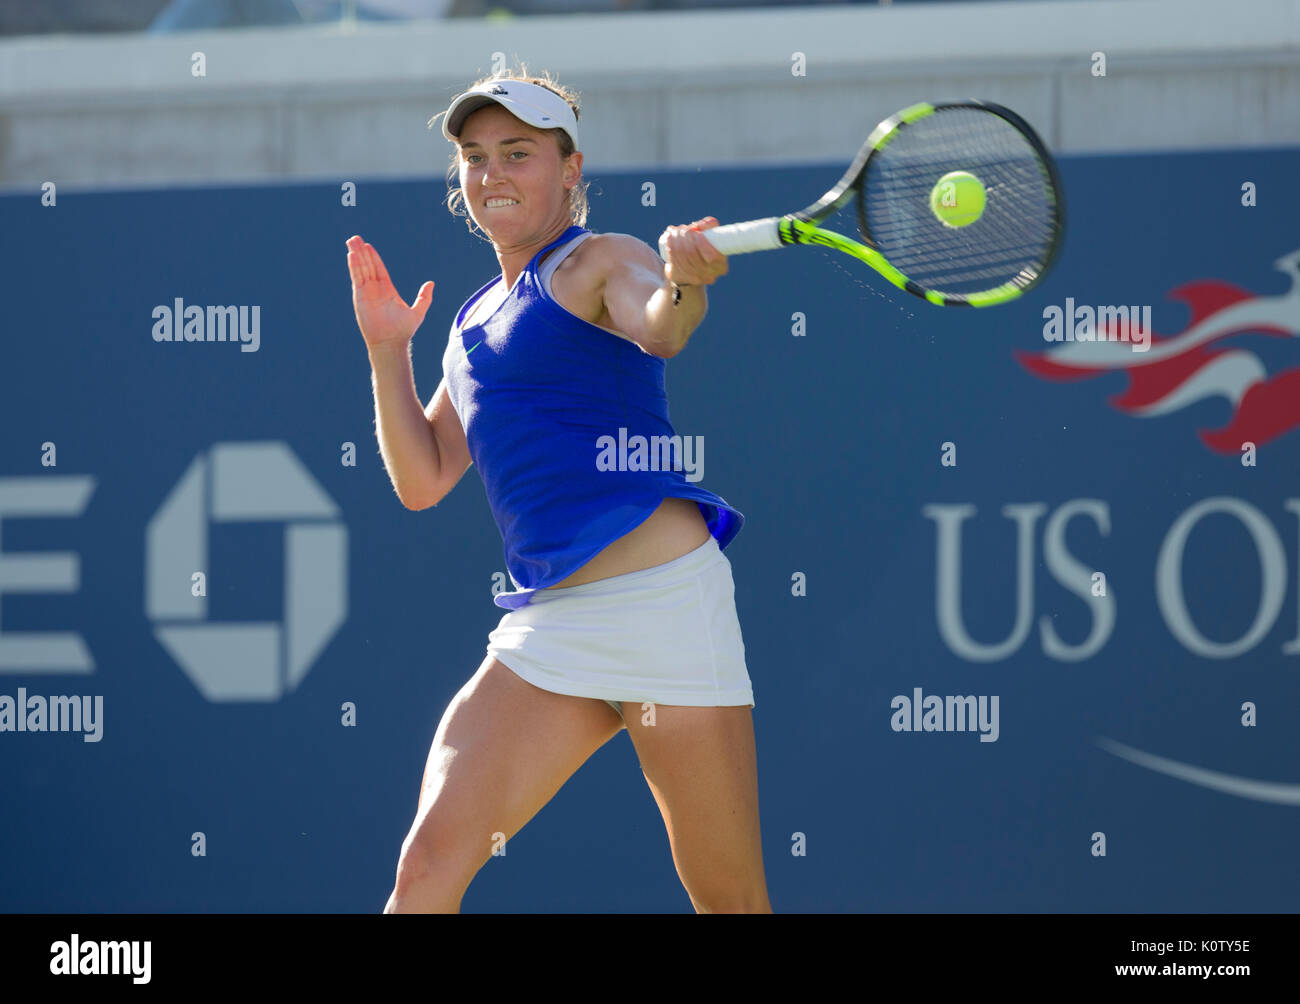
(498,89)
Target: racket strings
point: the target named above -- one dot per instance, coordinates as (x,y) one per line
(1011,239)
(918,238)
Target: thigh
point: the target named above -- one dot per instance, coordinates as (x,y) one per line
(502,750)
(701,766)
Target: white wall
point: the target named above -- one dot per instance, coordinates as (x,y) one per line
(683,89)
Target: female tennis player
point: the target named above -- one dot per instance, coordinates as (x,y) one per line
(623,609)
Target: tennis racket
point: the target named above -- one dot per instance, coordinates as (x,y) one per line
(924,225)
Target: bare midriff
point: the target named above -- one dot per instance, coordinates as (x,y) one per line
(676,528)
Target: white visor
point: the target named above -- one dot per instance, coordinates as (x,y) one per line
(531,103)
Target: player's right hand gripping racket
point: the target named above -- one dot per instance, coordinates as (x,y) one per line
(958,203)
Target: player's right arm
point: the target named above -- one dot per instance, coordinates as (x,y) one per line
(424,450)
(449,436)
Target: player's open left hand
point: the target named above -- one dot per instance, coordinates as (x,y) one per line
(382,315)
(691,260)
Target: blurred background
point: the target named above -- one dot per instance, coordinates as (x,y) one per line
(172,15)
(103,93)
(221,152)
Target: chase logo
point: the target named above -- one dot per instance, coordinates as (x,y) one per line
(246,482)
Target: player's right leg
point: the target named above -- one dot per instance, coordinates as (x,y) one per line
(502,750)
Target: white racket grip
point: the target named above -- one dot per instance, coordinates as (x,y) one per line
(738,238)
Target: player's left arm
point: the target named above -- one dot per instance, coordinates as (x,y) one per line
(638,291)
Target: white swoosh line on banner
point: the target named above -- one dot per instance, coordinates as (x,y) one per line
(1243,787)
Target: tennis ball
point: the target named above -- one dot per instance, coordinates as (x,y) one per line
(957,199)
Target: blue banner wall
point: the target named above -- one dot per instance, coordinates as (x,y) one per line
(1150,714)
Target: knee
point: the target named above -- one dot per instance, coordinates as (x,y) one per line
(730,899)
(433,860)
(735,904)
(426,886)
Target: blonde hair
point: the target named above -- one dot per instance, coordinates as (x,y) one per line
(577,194)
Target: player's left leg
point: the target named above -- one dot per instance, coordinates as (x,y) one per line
(701,767)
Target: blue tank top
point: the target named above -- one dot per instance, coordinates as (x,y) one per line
(552,407)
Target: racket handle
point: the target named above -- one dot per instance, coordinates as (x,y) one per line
(738,238)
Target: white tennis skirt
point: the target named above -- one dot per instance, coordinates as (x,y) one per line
(668,634)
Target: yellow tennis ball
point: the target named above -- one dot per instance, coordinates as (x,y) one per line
(957,199)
